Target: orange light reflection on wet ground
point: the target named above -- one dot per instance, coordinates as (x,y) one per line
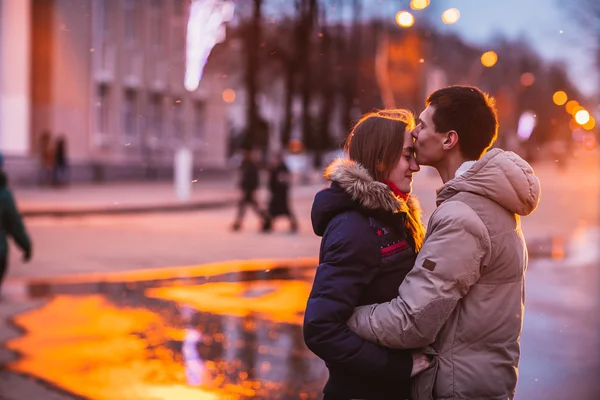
(241,340)
(280,300)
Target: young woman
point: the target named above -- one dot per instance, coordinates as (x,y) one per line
(371,232)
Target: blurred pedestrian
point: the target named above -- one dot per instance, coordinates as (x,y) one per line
(46,154)
(60,165)
(279,185)
(11,224)
(249,182)
(371,233)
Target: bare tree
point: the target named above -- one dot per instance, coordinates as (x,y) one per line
(587,14)
(254,129)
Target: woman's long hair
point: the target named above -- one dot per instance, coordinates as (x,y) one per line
(376,143)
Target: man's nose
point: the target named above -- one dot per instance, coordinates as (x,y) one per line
(415,133)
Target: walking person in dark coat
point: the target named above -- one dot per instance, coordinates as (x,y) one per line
(60,167)
(371,233)
(279,185)
(11,224)
(249,182)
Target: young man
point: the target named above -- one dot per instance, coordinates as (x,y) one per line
(465,294)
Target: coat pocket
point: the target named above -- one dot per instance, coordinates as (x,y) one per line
(422,385)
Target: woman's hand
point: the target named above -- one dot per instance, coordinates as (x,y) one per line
(420,363)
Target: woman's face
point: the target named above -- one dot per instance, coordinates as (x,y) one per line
(401,174)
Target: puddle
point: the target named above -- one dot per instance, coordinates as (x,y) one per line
(230,335)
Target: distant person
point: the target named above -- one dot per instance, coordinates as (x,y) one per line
(46,154)
(249,182)
(279,187)
(11,224)
(371,233)
(60,165)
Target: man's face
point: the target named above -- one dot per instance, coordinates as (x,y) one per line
(428,143)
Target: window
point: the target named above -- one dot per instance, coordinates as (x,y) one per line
(102,109)
(155,119)
(177,119)
(178,6)
(100,21)
(199,121)
(156,23)
(130,114)
(130,20)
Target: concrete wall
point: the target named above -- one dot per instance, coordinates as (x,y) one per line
(78,48)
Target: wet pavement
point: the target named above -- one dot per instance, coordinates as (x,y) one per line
(229,334)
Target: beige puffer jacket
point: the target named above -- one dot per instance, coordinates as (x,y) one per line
(465,295)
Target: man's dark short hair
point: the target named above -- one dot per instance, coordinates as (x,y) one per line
(471,113)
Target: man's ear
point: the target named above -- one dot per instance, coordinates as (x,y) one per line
(451,140)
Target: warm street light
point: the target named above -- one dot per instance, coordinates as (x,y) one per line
(405,19)
(489,59)
(228,95)
(559,98)
(571,106)
(450,16)
(588,126)
(419,4)
(582,117)
(527,79)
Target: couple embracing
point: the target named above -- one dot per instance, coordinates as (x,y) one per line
(398,311)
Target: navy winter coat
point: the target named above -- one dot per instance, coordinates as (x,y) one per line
(366,251)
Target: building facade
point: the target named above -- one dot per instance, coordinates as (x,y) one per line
(108,76)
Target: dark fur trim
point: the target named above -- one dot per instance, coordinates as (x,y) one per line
(374,195)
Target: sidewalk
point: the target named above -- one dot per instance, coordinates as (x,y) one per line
(115,198)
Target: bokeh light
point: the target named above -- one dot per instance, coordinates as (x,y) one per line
(405,19)
(588,126)
(559,98)
(582,117)
(450,16)
(419,4)
(228,95)
(489,59)
(571,106)
(527,79)
(590,143)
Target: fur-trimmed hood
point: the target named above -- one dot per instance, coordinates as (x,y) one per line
(354,188)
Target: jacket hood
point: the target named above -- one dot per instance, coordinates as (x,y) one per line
(501,176)
(353,188)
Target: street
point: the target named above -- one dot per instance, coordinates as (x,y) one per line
(177,306)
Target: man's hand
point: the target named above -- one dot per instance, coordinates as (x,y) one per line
(420,363)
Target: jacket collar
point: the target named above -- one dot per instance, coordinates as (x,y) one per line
(362,188)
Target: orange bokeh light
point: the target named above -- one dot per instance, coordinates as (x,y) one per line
(489,59)
(419,4)
(559,98)
(450,16)
(590,124)
(571,106)
(228,95)
(405,19)
(527,79)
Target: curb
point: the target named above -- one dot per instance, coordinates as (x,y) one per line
(75,212)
